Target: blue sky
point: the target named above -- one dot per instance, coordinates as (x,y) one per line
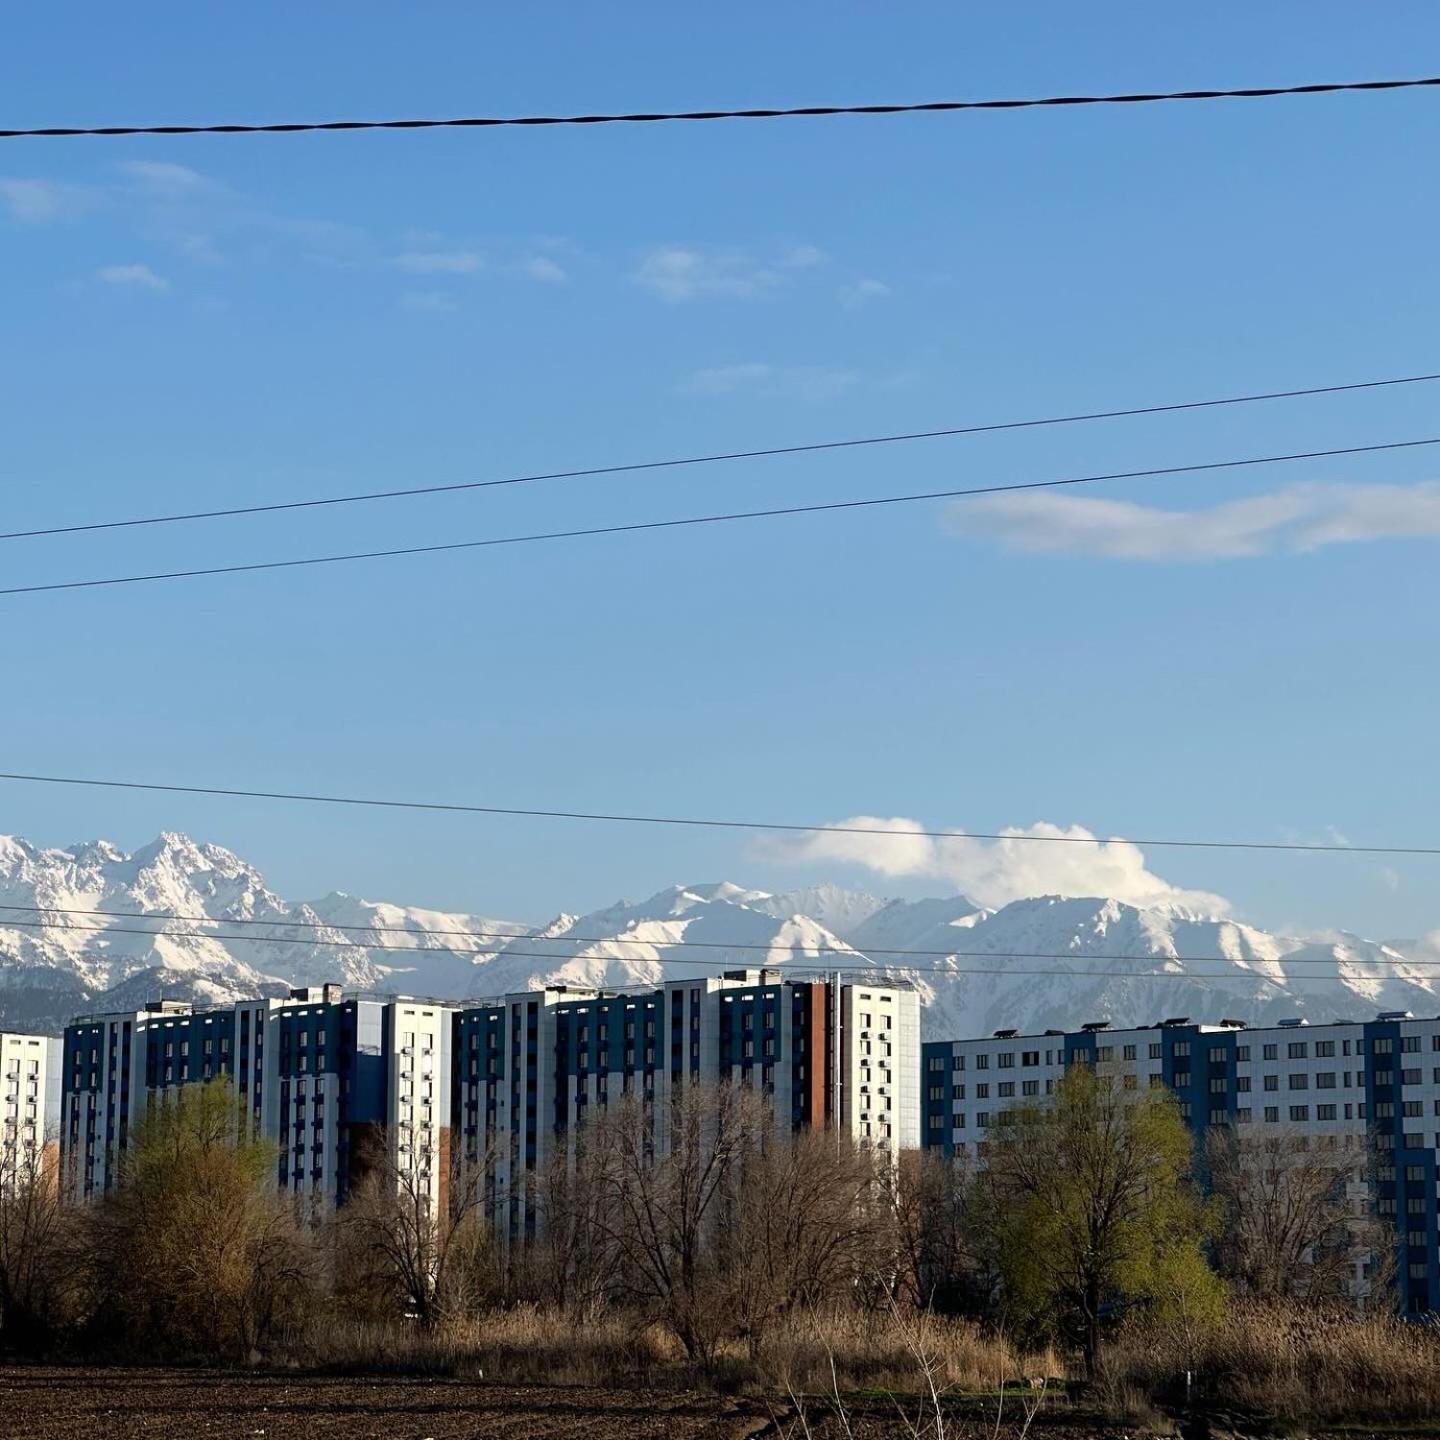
(222,320)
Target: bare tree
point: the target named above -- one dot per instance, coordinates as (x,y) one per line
(574,1259)
(664,1201)
(419,1246)
(1296,1223)
(939,1263)
(33,1242)
(807,1221)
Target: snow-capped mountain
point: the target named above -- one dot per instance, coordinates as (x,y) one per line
(93,928)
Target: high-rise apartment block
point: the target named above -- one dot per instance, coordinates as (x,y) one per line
(30,1100)
(836,1051)
(325,1077)
(331,1078)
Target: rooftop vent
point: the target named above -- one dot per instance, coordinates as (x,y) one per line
(1091,1026)
(1291,1024)
(1006,1034)
(1054,1032)
(1233,1024)
(1395,1015)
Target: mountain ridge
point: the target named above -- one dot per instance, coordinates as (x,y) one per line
(178,919)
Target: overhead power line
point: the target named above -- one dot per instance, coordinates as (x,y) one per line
(805,951)
(907,970)
(483,122)
(771,513)
(455,808)
(770,452)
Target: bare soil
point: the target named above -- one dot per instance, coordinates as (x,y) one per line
(85,1404)
(75,1403)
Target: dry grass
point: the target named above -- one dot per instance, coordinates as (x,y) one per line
(529,1345)
(1292,1365)
(877,1350)
(520,1346)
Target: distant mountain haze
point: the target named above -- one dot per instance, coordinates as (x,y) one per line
(55,964)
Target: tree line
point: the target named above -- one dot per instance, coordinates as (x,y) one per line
(1091,1210)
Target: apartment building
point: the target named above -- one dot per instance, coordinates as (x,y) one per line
(329,1079)
(30,1112)
(837,1050)
(1372,1086)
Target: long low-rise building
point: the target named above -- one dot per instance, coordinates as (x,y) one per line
(1373,1085)
(504,1082)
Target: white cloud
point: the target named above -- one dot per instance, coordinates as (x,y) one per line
(434,302)
(440,262)
(540,267)
(783,382)
(162,178)
(853,296)
(34,202)
(995,872)
(140,276)
(1300,518)
(802,257)
(676,272)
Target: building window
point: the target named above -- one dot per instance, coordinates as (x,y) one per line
(1299,1082)
(1269,1052)
(1298,1050)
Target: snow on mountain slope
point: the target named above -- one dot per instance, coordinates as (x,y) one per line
(55,958)
(722,928)
(1034,963)
(917,925)
(840,911)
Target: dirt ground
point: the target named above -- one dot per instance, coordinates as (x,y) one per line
(65,1404)
(56,1403)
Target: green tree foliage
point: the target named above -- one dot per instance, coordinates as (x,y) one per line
(1086,1207)
(195,1252)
